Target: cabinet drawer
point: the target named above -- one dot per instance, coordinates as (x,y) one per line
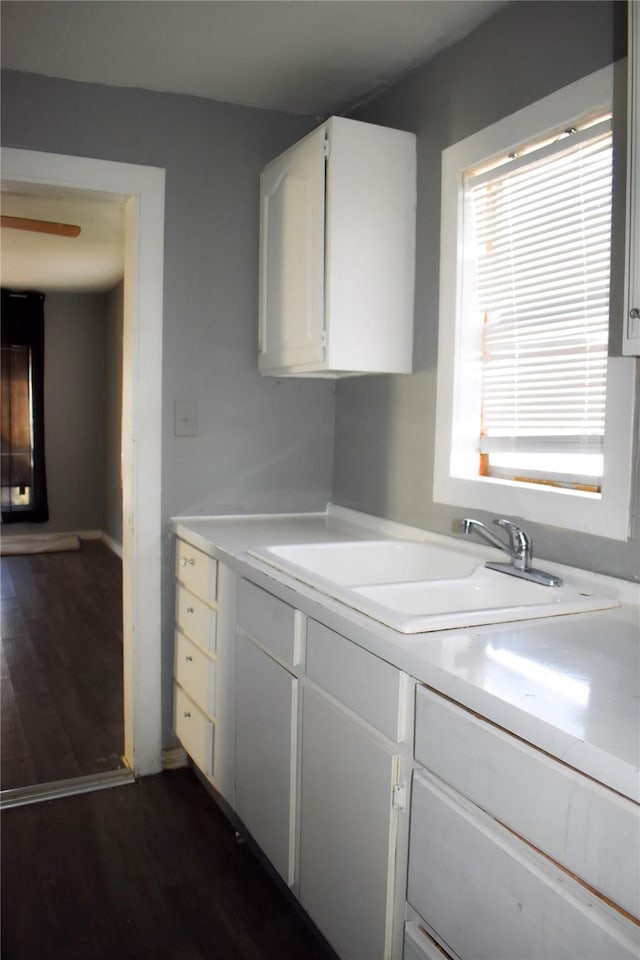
(194,731)
(196,619)
(588,828)
(365,683)
(269,621)
(418,945)
(492,897)
(196,674)
(196,570)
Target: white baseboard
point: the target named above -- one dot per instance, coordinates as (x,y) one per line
(30,543)
(101,535)
(172,758)
(112,544)
(44,538)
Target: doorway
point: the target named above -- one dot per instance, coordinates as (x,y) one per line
(62,704)
(143,190)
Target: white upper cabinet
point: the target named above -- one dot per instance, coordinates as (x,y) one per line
(337,253)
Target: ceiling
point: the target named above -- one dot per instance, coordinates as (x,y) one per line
(315,57)
(92,262)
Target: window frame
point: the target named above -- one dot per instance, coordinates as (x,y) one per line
(456,479)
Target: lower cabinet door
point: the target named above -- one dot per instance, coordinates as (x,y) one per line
(347,830)
(266,743)
(490,896)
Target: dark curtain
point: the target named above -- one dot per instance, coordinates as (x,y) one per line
(23,465)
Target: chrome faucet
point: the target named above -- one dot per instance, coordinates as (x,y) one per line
(519,548)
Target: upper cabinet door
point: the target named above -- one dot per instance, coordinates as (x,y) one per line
(292,190)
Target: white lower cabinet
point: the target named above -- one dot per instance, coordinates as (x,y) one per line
(347,829)
(196,655)
(507,854)
(513,855)
(591,830)
(492,897)
(315,780)
(266,738)
(504,854)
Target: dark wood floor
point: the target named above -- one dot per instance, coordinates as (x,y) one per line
(148,870)
(61,667)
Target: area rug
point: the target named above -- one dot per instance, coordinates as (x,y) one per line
(38,543)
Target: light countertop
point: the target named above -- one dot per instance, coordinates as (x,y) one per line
(570,685)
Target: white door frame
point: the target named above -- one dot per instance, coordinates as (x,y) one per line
(143,189)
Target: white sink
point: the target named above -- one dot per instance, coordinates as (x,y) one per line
(417,587)
(367,561)
(482,598)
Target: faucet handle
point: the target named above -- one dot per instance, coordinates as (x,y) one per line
(521,544)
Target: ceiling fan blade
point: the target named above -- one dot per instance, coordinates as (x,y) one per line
(40,226)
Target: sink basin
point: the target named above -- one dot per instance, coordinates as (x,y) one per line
(417,587)
(367,561)
(482,598)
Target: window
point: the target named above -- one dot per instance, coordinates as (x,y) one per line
(17,427)
(540,231)
(534,419)
(23,482)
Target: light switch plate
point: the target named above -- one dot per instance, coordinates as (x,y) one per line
(186,418)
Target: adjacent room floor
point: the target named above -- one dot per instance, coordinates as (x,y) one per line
(61,636)
(148,870)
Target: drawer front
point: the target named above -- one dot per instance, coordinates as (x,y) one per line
(418,945)
(196,674)
(269,621)
(194,731)
(196,619)
(365,683)
(588,828)
(492,897)
(196,570)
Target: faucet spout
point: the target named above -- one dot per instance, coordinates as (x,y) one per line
(470,526)
(519,548)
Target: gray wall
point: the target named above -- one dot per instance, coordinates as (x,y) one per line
(263,444)
(74,388)
(112,516)
(383,457)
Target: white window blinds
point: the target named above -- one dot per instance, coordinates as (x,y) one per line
(540,228)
